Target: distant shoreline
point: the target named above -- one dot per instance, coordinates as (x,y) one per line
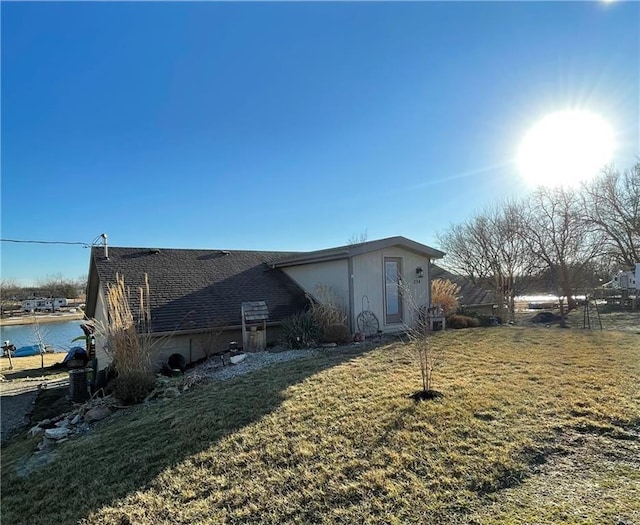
(54,318)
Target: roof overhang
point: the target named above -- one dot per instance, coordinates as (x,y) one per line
(344,252)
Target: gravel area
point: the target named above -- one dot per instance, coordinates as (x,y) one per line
(15,408)
(213,370)
(16,403)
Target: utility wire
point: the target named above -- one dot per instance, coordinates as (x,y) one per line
(84,244)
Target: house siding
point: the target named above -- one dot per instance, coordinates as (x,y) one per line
(190,348)
(329,273)
(104,359)
(368,280)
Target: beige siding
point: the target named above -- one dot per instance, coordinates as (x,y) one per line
(104,359)
(187,345)
(329,273)
(368,280)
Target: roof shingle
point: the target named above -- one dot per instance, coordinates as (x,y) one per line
(197,289)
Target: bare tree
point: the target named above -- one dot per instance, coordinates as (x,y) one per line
(9,291)
(58,286)
(490,249)
(612,204)
(358,238)
(39,336)
(418,330)
(560,236)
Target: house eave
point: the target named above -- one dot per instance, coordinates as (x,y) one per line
(311,259)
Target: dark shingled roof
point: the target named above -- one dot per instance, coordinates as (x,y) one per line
(470,293)
(194,289)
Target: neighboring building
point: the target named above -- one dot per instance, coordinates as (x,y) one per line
(472,298)
(193,290)
(43,304)
(627,280)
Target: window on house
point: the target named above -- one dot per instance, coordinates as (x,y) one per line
(392,290)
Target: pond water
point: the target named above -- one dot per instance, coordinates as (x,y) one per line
(56,335)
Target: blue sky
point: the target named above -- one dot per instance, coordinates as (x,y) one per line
(286,126)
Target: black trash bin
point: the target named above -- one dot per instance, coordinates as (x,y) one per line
(78,385)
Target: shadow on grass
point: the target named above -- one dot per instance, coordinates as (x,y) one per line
(35,372)
(50,403)
(127,452)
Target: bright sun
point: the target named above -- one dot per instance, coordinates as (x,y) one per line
(565,148)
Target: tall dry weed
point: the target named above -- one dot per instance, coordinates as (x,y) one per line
(328,310)
(127,337)
(445,293)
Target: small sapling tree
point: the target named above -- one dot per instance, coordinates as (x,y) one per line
(418,331)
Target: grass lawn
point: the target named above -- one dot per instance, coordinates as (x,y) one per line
(535,426)
(24,367)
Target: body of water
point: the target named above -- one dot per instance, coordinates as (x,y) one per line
(55,335)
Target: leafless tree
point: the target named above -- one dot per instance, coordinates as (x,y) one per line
(58,286)
(612,204)
(418,331)
(358,238)
(560,236)
(9,291)
(39,336)
(490,249)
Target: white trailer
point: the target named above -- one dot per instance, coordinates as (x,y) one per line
(43,304)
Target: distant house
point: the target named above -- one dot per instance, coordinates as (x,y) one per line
(193,290)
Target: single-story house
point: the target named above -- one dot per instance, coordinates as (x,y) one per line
(193,290)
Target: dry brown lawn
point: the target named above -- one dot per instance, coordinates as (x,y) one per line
(535,426)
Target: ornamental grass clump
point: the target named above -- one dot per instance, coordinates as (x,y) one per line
(129,342)
(329,313)
(445,293)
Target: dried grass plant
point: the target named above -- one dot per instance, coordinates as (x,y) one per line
(328,310)
(128,339)
(445,293)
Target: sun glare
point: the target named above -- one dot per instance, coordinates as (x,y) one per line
(565,148)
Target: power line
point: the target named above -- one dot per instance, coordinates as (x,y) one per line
(84,244)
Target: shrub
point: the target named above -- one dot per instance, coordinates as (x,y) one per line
(336,333)
(445,293)
(462,321)
(299,330)
(329,311)
(133,386)
(485,320)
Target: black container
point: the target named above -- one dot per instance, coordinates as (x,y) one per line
(79,385)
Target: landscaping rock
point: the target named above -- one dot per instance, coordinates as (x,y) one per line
(35,431)
(64,423)
(76,419)
(46,423)
(56,433)
(235,359)
(96,414)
